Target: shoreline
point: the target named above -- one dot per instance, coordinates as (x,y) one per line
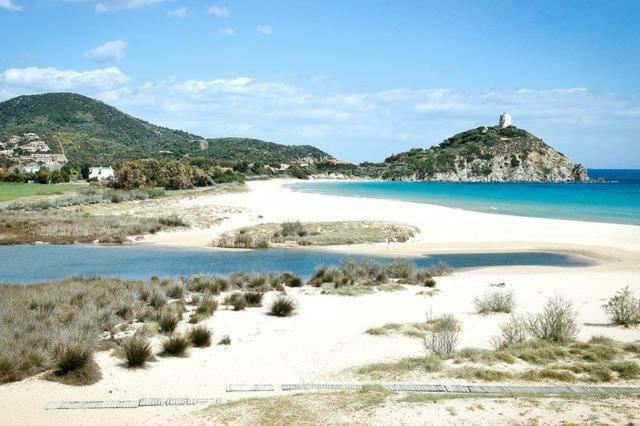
(442,229)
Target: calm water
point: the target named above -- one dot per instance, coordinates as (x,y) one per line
(617,201)
(36,263)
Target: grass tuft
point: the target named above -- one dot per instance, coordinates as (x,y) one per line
(282,306)
(175,345)
(200,337)
(137,351)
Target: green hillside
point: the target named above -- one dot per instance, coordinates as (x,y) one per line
(484,154)
(90,131)
(233,149)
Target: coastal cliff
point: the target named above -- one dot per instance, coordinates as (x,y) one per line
(485,154)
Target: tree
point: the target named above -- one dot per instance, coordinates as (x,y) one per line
(43,175)
(84,171)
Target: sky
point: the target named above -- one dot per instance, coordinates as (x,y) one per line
(359,79)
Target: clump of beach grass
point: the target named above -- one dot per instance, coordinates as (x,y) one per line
(137,351)
(200,336)
(175,345)
(282,306)
(235,300)
(75,365)
(168,320)
(175,291)
(498,301)
(207,305)
(225,340)
(253,298)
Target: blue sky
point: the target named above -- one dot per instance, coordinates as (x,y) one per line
(360,79)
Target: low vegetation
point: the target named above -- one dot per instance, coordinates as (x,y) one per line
(532,347)
(200,336)
(74,364)
(73,227)
(498,301)
(353,278)
(314,234)
(441,336)
(136,351)
(282,306)
(15,191)
(623,308)
(175,345)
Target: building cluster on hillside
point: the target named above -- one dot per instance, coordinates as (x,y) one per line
(307,161)
(31,152)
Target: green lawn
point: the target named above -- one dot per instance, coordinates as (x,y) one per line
(13,191)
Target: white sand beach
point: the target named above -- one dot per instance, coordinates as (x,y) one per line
(326,339)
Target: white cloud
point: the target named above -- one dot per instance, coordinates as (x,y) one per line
(110,51)
(265,30)
(102,6)
(229,32)
(9,5)
(220,12)
(36,79)
(180,12)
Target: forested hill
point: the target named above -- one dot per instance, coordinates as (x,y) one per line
(90,131)
(232,149)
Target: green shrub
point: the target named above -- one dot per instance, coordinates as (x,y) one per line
(172,221)
(623,308)
(400,269)
(290,280)
(442,336)
(137,351)
(293,228)
(558,322)
(496,301)
(282,306)
(175,345)
(200,337)
(423,277)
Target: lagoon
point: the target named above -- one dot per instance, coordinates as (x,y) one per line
(28,264)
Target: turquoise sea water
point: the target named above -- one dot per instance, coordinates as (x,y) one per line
(26,264)
(616,201)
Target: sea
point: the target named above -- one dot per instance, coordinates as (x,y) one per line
(613,198)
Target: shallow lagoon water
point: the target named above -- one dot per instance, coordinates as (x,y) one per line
(27,264)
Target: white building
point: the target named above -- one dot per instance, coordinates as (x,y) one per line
(505,120)
(101,173)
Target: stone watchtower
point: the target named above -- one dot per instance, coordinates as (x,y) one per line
(505,120)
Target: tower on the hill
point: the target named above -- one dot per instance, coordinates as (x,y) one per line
(505,120)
